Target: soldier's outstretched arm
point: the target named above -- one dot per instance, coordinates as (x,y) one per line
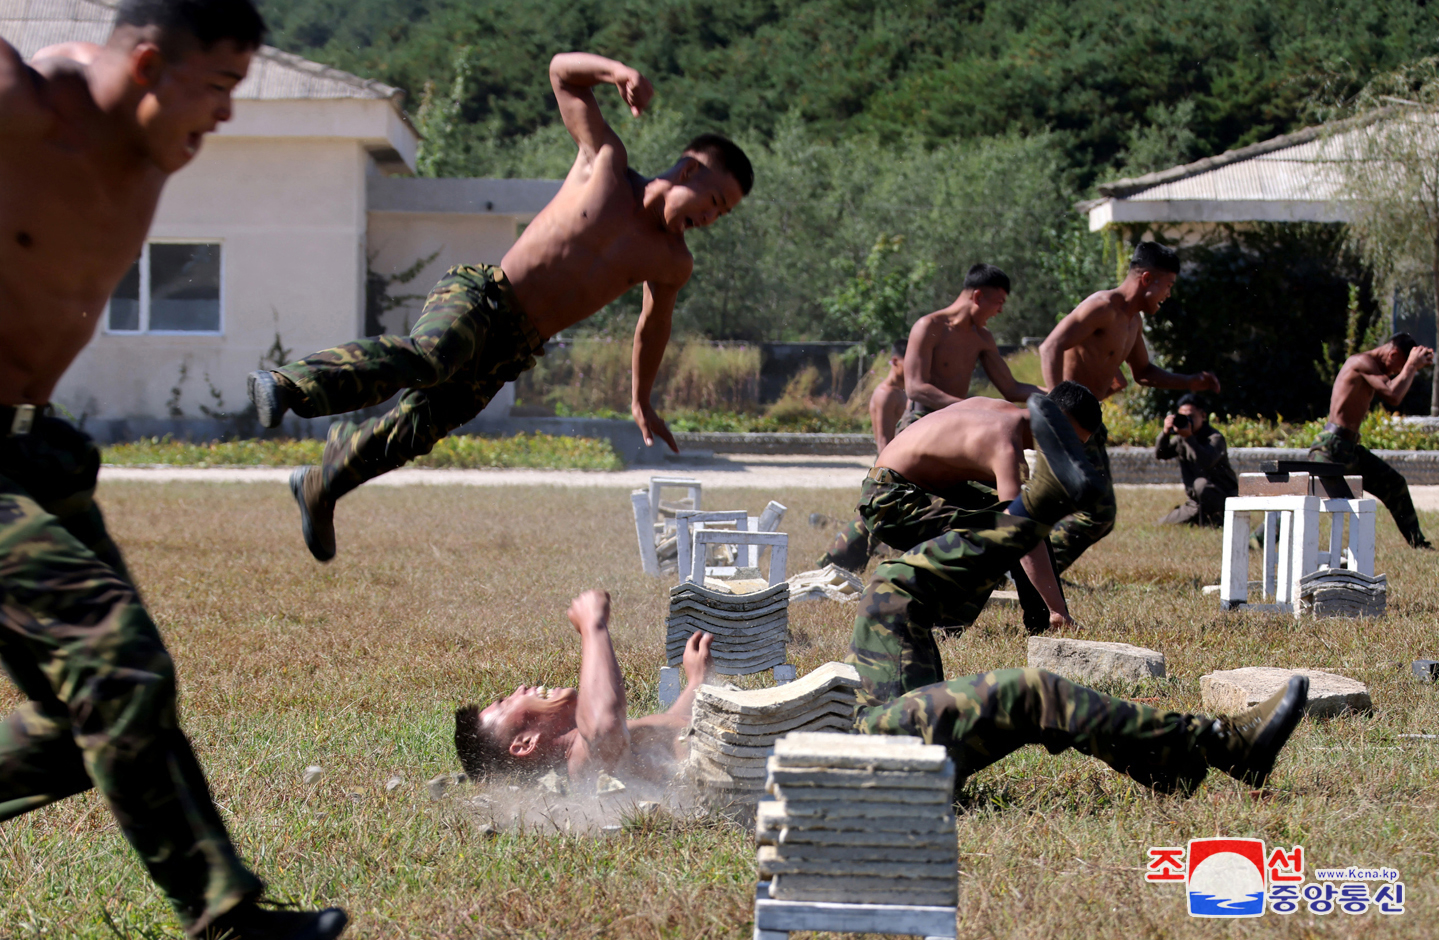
(573,76)
(652,334)
(1147,373)
(600,712)
(1001,378)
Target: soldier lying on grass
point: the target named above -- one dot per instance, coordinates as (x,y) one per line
(981,718)
(534,729)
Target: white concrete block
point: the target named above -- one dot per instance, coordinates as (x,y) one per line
(1092,661)
(1234,690)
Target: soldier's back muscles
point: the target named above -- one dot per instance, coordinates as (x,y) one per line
(594,241)
(1352,395)
(74,209)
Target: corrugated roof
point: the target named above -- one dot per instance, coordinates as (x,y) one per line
(1293,167)
(31,25)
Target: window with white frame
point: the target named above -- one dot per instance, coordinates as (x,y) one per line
(174,287)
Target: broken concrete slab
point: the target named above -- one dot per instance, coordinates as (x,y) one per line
(774,861)
(1234,690)
(801,777)
(869,751)
(940,892)
(857,795)
(938,819)
(1094,661)
(865,852)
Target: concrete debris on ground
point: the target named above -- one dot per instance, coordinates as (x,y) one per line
(1339,592)
(733,731)
(828,583)
(1234,690)
(1091,661)
(862,819)
(750,630)
(1426,670)
(312,774)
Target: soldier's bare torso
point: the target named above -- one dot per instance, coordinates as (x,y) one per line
(1352,395)
(958,344)
(1095,361)
(594,241)
(977,439)
(73,218)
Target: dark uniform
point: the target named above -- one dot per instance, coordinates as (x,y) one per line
(1074,535)
(1340,445)
(76,639)
(470,340)
(1204,467)
(981,718)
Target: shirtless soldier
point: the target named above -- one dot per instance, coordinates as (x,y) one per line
(608,229)
(961,462)
(887,401)
(939,359)
(534,729)
(1087,347)
(944,347)
(88,136)
(1387,371)
(981,718)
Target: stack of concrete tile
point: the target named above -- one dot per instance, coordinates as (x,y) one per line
(864,819)
(733,731)
(1339,592)
(828,583)
(750,630)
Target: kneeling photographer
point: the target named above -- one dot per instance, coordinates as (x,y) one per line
(1203,464)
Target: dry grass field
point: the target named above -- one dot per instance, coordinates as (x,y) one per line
(449,594)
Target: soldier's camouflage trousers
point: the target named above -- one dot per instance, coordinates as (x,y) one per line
(1074,535)
(944,580)
(895,512)
(470,340)
(1380,479)
(981,718)
(75,638)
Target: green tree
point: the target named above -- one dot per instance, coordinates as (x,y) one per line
(878,296)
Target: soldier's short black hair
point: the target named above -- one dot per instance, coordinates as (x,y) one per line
(899,347)
(1152,256)
(208,21)
(986,275)
(1403,343)
(1079,403)
(481,752)
(731,158)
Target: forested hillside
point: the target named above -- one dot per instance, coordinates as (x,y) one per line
(942,131)
(1207,75)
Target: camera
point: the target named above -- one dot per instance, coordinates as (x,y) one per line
(1181,421)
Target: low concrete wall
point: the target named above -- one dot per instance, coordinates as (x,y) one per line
(727,442)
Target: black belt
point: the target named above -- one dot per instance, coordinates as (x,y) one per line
(17,420)
(1341,431)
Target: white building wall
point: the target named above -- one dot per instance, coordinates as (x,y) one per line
(290,216)
(398,239)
